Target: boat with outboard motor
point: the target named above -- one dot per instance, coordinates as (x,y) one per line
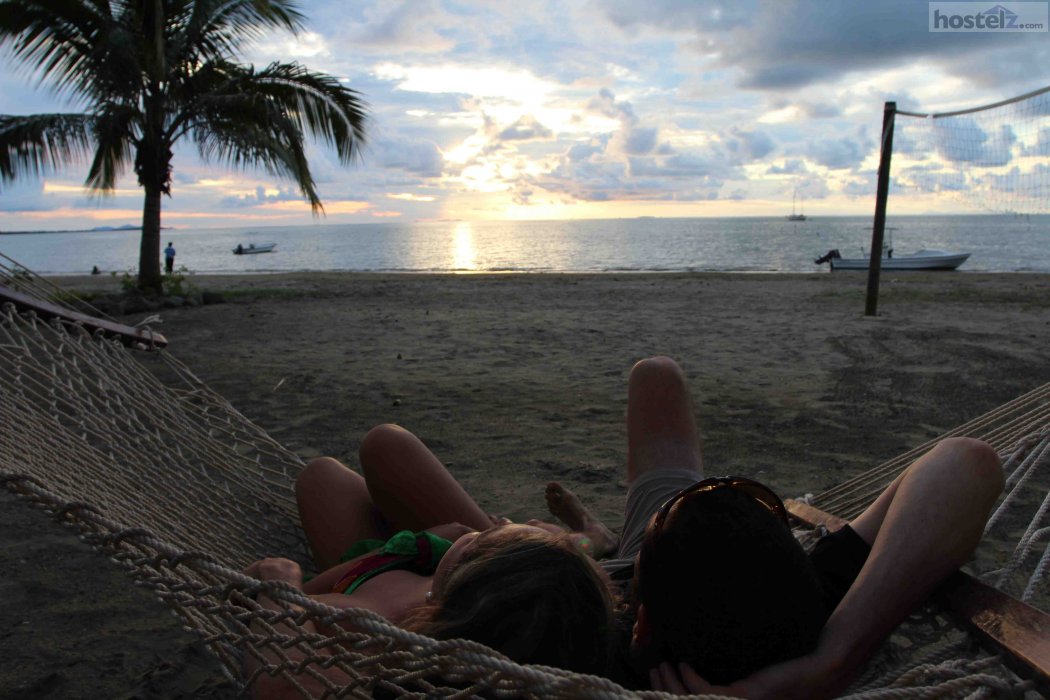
(919,260)
(252,249)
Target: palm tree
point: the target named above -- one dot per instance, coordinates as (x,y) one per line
(149,72)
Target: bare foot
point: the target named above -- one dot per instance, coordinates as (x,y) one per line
(566,506)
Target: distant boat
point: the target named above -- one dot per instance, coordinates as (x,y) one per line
(920,260)
(801,216)
(251,248)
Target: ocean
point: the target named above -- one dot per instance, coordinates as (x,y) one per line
(997,244)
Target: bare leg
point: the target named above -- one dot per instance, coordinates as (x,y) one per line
(567,507)
(336,510)
(661,428)
(410,485)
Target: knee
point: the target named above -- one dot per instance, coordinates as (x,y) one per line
(381,442)
(657,370)
(317,473)
(977,461)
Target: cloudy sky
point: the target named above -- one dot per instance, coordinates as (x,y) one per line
(590,109)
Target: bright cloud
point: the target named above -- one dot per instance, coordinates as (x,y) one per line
(600,109)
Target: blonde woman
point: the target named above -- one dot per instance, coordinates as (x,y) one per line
(437,564)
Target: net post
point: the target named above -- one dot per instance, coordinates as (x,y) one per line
(879,225)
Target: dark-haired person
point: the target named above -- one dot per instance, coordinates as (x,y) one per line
(722,592)
(436,564)
(169,258)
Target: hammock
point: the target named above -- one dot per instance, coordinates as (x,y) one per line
(120,441)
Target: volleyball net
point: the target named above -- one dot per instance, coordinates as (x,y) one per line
(994,158)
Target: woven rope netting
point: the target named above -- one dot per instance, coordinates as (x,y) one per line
(182,491)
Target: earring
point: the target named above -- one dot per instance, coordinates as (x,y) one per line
(429,596)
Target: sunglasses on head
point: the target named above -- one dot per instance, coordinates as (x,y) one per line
(750,487)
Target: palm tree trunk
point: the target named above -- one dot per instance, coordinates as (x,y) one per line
(149,248)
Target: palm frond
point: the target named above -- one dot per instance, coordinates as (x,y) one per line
(243,117)
(319,104)
(43,142)
(115,131)
(217,29)
(60,40)
(255,133)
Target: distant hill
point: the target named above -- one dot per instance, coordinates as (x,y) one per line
(125,227)
(97,229)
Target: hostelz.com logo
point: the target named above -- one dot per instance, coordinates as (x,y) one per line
(1004,17)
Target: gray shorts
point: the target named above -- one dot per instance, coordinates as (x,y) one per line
(644,497)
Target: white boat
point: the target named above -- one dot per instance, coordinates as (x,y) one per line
(251,248)
(920,260)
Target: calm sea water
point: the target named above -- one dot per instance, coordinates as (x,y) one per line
(997,244)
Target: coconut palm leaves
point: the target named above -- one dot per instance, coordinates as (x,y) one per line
(150,72)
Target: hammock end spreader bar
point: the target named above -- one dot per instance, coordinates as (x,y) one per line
(46,310)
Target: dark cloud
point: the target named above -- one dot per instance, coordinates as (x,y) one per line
(260,196)
(1041,148)
(682,165)
(1029,185)
(639,141)
(821,110)
(583,151)
(525,129)
(840,153)
(421,25)
(930,179)
(416,156)
(791,166)
(753,145)
(788,45)
(964,140)
(606,104)
(182,177)
(861,184)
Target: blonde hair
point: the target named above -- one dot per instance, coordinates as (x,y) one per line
(532,596)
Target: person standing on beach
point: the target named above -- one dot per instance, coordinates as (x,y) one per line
(169,258)
(721,592)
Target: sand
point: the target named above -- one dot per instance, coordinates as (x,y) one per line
(514,380)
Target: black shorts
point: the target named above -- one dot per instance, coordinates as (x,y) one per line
(838,557)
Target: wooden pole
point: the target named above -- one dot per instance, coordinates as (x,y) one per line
(879,225)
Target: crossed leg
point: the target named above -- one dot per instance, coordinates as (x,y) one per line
(405,487)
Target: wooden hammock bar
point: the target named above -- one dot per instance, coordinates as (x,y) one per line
(129,335)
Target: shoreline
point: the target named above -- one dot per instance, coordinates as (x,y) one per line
(88,282)
(518,379)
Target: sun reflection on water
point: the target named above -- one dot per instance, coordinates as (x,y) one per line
(464,255)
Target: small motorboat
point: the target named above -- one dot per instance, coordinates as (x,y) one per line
(924,259)
(251,248)
(919,260)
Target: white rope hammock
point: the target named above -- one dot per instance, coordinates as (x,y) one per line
(182,491)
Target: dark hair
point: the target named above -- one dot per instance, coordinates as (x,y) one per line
(530,595)
(727,588)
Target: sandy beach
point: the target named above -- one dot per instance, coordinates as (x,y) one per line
(515,380)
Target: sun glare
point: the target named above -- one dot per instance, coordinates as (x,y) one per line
(464,255)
